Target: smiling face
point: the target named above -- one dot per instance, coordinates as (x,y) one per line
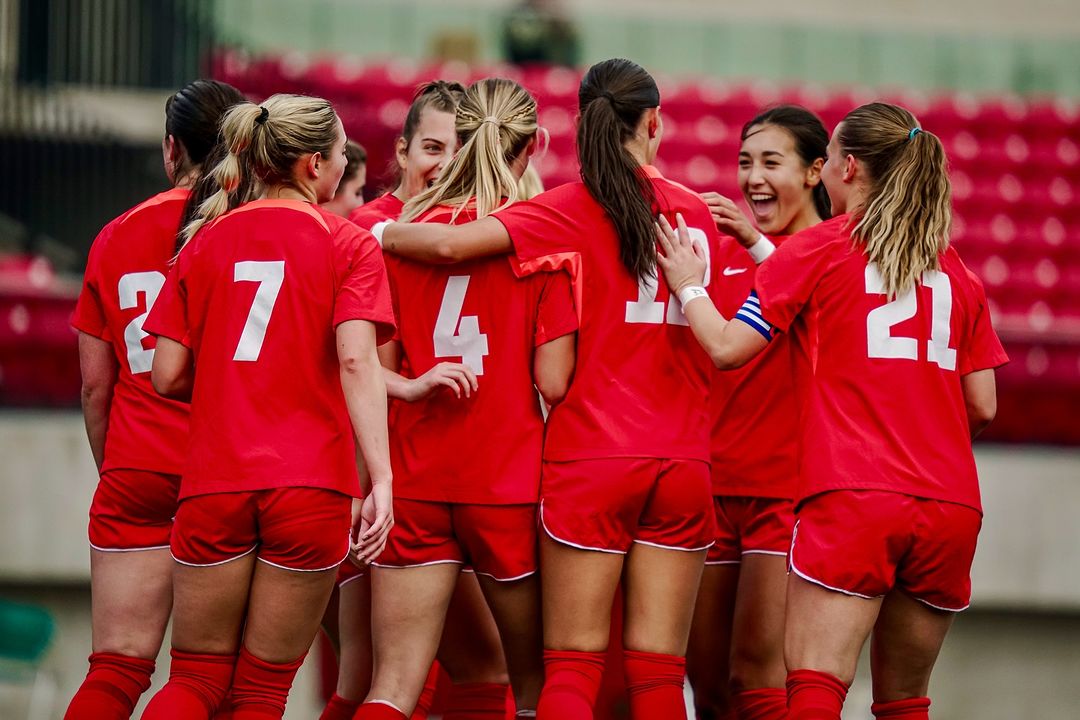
(422,158)
(776,182)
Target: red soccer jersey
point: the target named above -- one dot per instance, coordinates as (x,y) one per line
(381,209)
(486,449)
(885,408)
(756,408)
(257,295)
(641,382)
(127,267)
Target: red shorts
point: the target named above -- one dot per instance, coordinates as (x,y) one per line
(133,510)
(866,542)
(611,503)
(348,571)
(294,528)
(496,540)
(750,526)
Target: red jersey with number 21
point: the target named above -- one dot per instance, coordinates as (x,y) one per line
(885,409)
(641,383)
(257,295)
(485,449)
(124,274)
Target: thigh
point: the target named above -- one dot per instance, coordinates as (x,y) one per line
(131,599)
(133,510)
(354,629)
(470,650)
(708,652)
(661,588)
(906,641)
(209,604)
(577,590)
(516,608)
(284,611)
(757,641)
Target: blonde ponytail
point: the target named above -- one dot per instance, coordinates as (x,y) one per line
(495,120)
(905,221)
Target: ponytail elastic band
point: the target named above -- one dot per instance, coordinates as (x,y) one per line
(914,131)
(262,115)
(493,120)
(609,96)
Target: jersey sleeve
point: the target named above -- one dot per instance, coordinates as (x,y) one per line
(786,280)
(543,235)
(168,317)
(363,291)
(89,315)
(555,313)
(983,350)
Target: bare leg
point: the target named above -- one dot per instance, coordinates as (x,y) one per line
(516,609)
(906,641)
(285,610)
(578,588)
(661,589)
(131,597)
(708,654)
(354,623)
(757,659)
(470,649)
(209,604)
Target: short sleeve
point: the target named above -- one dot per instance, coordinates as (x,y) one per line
(363,291)
(89,316)
(785,282)
(543,234)
(393,273)
(983,350)
(168,317)
(555,314)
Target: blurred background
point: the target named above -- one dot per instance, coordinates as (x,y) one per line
(82,91)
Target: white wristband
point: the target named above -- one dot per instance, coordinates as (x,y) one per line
(691,292)
(377,230)
(761,250)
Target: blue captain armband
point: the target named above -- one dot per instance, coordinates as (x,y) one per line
(750,313)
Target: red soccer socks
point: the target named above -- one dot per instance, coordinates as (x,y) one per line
(260,688)
(477,701)
(197,684)
(909,709)
(572,681)
(338,708)
(112,687)
(814,695)
(761,704)
(655,684)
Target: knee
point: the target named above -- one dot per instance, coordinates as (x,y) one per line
(757,666)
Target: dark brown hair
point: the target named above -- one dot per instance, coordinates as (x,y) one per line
(193,115)
(614,94)
(355,156)
(811,142)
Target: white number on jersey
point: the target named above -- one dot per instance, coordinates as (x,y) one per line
(270,275)
(457,336)
(140,360)
(646,309)
(880,342)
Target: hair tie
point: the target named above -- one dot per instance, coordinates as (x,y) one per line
(914,131)
(262,115)
(493,120)
(608,95)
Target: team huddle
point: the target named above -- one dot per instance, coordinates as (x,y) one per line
(455,425)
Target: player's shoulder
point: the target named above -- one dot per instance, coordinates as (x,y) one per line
(167,202)
(829,238)
(384,207)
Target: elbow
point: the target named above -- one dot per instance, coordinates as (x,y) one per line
(553,390)
(724,359)
(358,364)
(168,385)
(94,393)
(981,414)
(446,253)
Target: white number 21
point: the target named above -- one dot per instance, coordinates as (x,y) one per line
(880,342)
(270,275)
(647,310)
(130,287)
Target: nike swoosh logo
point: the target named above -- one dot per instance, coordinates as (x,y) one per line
(734,271)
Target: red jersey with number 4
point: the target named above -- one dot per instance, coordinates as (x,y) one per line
(885,408)
(485,449)
(125,271)
(641,383)
(756,408)
(257,295)
(381,209)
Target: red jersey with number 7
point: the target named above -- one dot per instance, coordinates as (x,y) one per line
(257,295)
(885,408)
(125,271)
(641,384)
(485,449)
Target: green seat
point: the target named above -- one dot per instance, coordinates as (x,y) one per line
(25,634)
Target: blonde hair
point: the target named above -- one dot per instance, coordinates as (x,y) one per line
(529,184)
(905,221)
(495,120)
(262,143)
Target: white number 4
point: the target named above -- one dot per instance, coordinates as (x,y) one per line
(647,310)
(880,342)
(457,336)
(270,275)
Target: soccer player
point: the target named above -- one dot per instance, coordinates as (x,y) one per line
(735,660)
(888,509)
(350,192)
(137,437)
(269,322)
(625,489)
(469,468)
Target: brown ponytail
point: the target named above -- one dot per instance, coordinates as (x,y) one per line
(613,96)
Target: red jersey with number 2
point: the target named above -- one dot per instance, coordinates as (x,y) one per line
(127,267)
(641,383)
(885,407)
(257,295)
(485,449)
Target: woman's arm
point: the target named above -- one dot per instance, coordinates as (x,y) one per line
(980,398)
(99,368)
(173,372)
(456,376)
(437,243)
(730,344)
(553,367)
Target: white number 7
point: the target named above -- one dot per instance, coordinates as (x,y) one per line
(270,275)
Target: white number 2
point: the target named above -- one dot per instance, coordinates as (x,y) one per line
(880,342)
(457,336)
(270,275)
(647,310)
(140,360)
